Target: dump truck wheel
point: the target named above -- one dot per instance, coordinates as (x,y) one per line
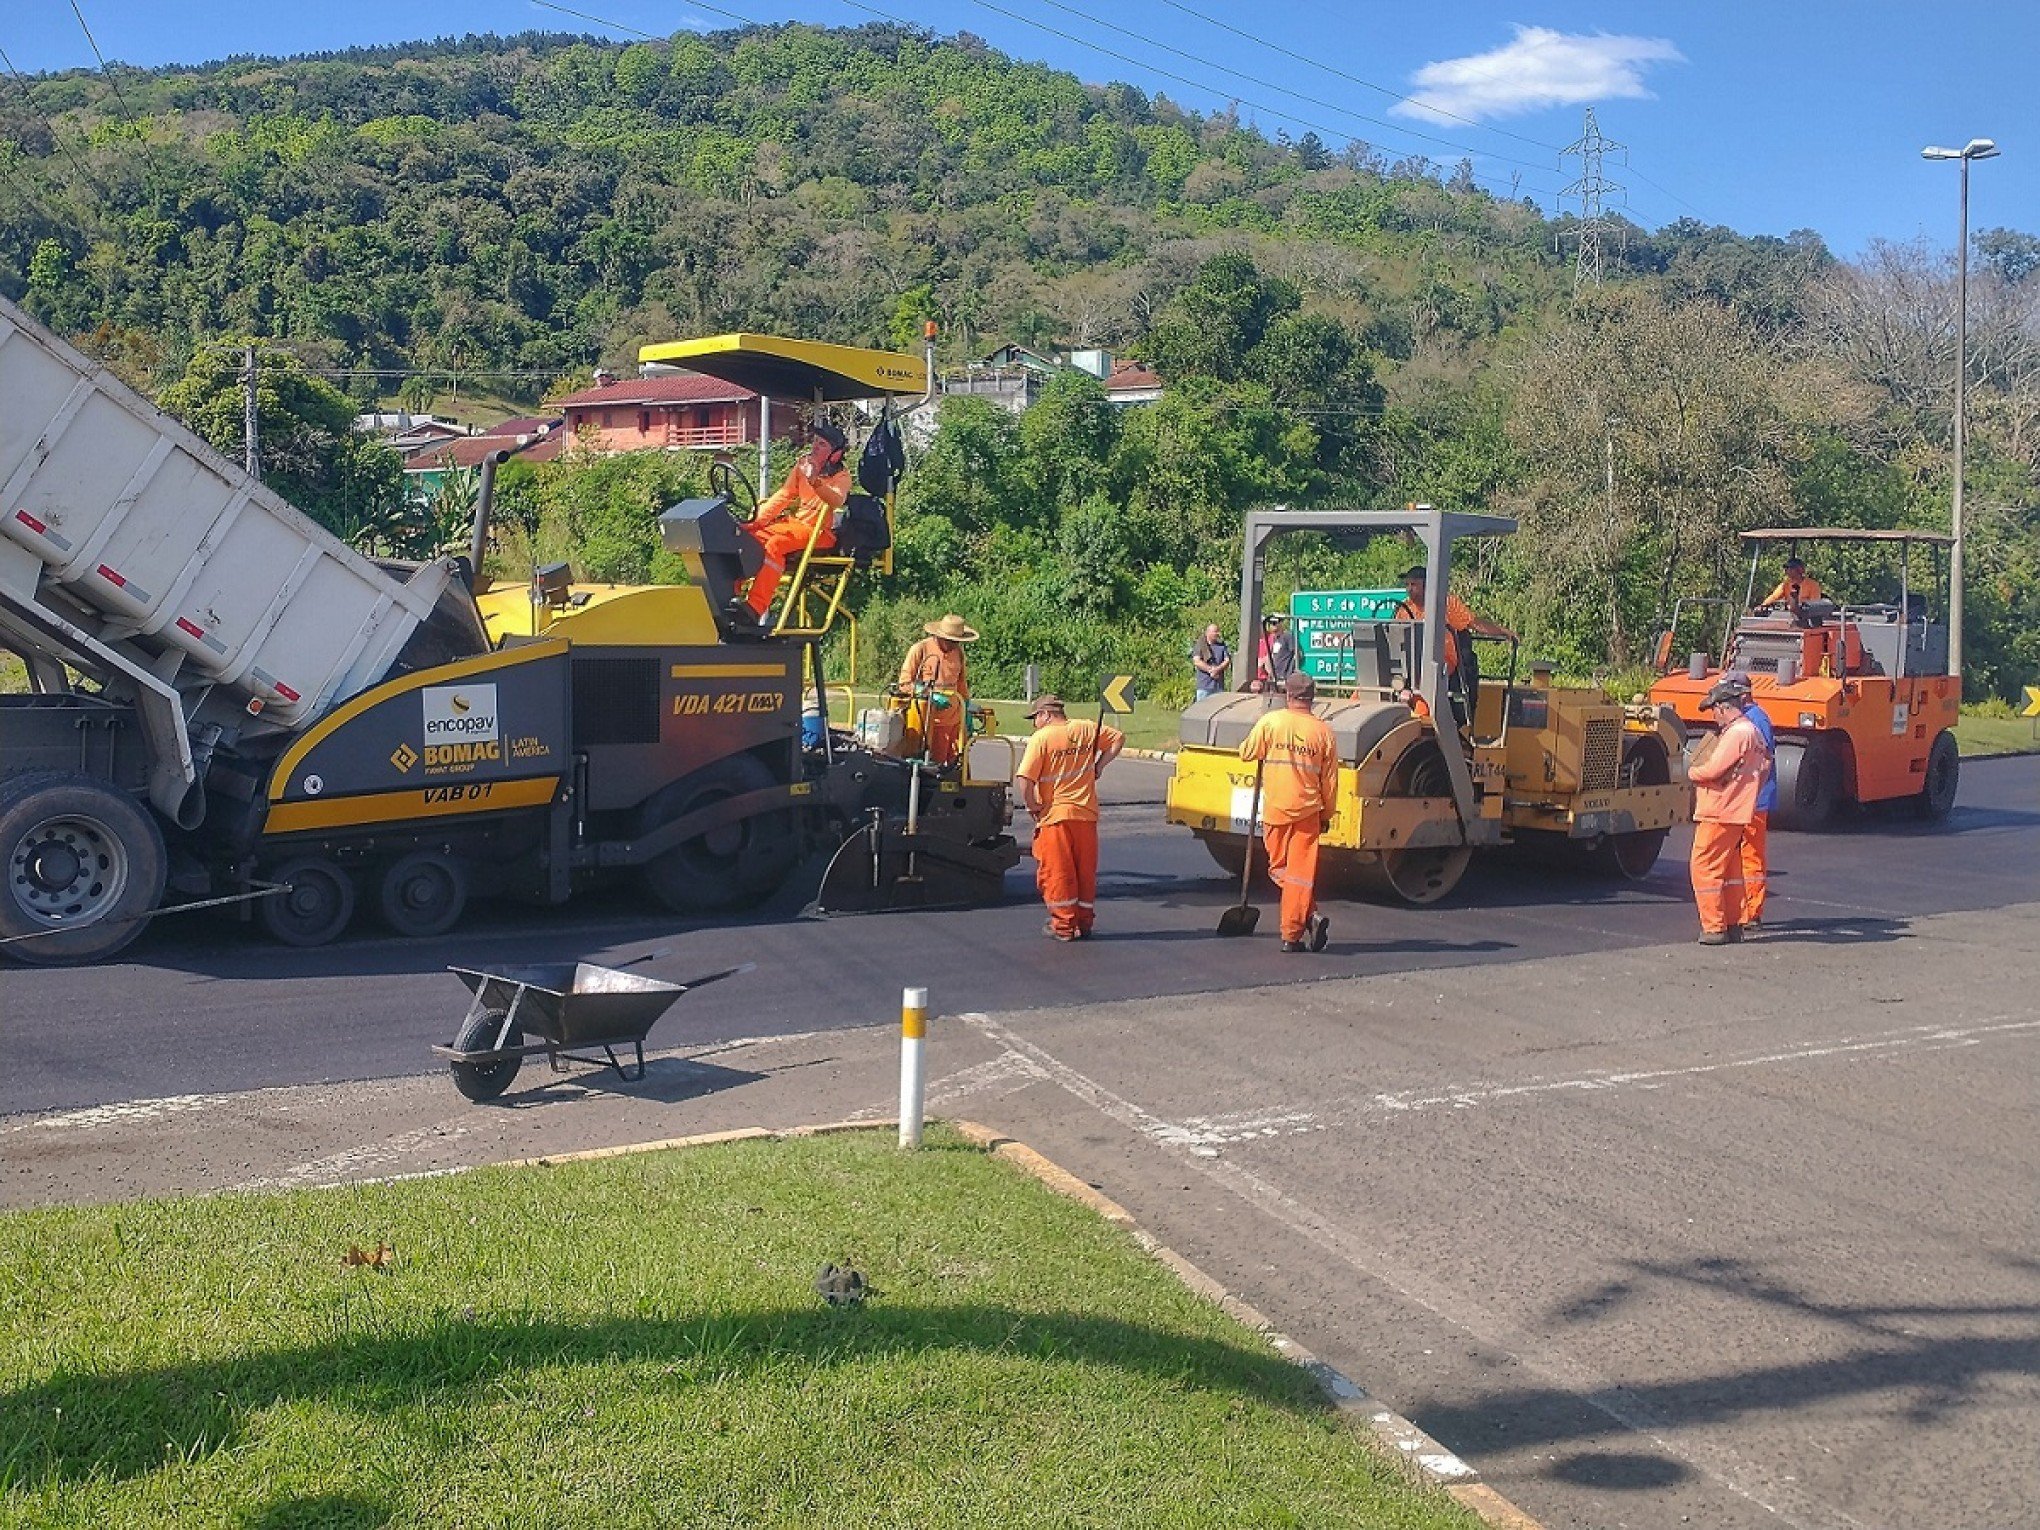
(1944,778)
(315,910)
(422,894)
(482,1082)
(731,867)
(82,862)
(1809,784)
(1631,856)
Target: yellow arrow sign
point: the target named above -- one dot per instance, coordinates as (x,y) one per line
(2032,702)
(1115,693)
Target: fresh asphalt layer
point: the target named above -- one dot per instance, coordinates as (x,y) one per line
(1652,1235)
(201,1003)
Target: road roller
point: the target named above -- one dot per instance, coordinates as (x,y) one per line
(1429,774)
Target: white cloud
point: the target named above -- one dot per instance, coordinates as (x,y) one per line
(1539,68)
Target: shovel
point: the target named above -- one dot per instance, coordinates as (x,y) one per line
(1241,918)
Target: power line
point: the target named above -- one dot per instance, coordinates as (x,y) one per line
(1205,85)
(1272,85)
(121,99)
(1180,79)
(1354,79)
(614,26)
(55,137)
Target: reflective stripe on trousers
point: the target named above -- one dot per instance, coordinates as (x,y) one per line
(1066,871)
(1292,864)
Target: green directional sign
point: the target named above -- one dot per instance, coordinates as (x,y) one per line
(1115,693)
(1323,623)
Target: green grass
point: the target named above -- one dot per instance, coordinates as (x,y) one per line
(13,675)
(636,1342)
(1980,735)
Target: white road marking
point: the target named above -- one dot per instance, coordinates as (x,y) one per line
(122,1112)
(1775,1494)
(1920,1037)
(999,1075)
(342,1167)
(131,1112)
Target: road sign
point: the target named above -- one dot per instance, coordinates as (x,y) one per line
(1323,623)
(1115,693)
(2032,702)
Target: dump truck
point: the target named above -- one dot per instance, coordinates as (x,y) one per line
(1861,696)
(1563,773)
(228,703)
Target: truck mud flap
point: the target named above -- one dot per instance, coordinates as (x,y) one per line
(881,868)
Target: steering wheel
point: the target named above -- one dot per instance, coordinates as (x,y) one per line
(724,482)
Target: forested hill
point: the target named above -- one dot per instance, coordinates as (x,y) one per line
(538,203)
(1333,327)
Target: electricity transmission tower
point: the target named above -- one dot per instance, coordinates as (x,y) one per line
(1590,188)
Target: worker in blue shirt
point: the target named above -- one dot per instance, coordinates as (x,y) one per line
(1756,848)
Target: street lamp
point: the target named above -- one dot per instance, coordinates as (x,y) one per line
(1976,148)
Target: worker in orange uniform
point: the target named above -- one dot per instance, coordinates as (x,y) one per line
(1727,775)
(802,512)
(1058,779)
(1796,588)
(1299,786)
(1459,620)
(935,672)
(1756,841)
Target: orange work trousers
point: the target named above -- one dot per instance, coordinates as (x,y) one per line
(1756,866)
(784,542)
(1292,865)
(945,731)
(1718,875)
(1066,871)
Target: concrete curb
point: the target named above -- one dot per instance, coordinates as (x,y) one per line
(1402,1440)
(1166,757)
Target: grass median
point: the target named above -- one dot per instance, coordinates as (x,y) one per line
(638,1342)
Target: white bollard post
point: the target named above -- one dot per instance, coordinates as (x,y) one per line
(913,1063)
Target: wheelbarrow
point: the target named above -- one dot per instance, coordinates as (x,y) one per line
(573,1009)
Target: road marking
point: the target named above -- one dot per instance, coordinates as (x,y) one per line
(1921,1037)
(1776,1494)
(1004,1074)
(131,1112)
(339,1168)
(123,1111)
(1207,1132)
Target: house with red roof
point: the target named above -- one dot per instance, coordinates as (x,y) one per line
(532,439)
(675,411)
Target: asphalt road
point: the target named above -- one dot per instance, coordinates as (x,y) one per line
(1653,1235)
(203,1004)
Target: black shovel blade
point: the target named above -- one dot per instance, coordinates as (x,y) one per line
(1240,919)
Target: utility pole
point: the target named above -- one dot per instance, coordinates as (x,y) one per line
(1976,148)
(249,430)
(1590,188)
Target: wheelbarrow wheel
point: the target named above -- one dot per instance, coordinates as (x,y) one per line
(482,1082)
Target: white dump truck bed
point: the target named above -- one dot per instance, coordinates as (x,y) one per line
(166,548)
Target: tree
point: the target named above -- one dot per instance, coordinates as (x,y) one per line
(1069,433)
(1215,322)
(1651,433)
(305,429)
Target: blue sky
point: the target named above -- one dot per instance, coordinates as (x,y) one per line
(1791,114)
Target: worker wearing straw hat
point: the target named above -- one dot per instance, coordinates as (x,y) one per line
(935,671)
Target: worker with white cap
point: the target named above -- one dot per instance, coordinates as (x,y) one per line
(1058,779)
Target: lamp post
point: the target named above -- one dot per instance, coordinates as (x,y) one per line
(1976,148)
